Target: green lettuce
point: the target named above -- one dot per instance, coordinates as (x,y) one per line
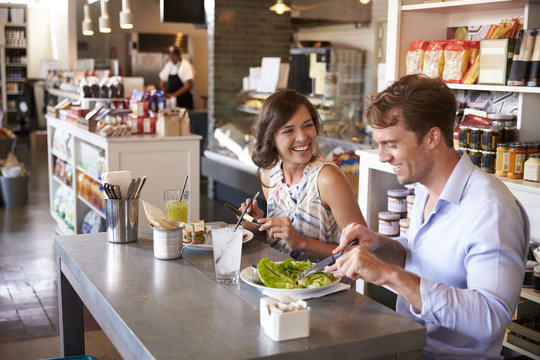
(285,275)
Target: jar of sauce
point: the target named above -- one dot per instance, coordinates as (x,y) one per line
(388,223)
(476,157)
(475,137)
(487,162)
(463,136)
(508,134)
(397,201)
(501,161)
(490,137)
(403,226)
(531,168)
(516,159)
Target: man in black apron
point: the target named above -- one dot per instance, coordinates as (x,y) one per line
(176,79)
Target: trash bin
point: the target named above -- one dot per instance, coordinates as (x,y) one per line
(14,190)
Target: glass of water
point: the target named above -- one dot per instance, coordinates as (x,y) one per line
(227,247)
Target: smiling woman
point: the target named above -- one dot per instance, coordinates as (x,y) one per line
(309,199)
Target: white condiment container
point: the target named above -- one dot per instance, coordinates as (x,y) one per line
(284,325)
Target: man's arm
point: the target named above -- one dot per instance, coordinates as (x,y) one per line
(162,85)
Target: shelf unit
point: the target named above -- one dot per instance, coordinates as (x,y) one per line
(412,20)
(165,161)
(13,64)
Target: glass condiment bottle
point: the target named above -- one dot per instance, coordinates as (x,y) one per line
(463,137)
(517,155)
(501,162)
(490,138)
(476,157)
(487,162)
(475,138)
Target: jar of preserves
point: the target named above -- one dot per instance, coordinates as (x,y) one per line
(516,158)
(501,159)
(397,201)
(476,157)
(490,137)
(487,162)
(531,168)
(463,136)
(403,226)
(410,204)
(532,148)
(475,137)
(388,223)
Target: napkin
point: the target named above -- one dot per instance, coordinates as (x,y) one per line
(313,295)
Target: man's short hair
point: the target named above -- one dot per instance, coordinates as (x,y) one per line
(173,50)
(423,102)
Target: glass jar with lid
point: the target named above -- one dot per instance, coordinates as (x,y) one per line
(487,162)
(490,137)
(464,134)
(476,157)
(531,167)
(516,158)
(475,137)
(501,159)
(508,134)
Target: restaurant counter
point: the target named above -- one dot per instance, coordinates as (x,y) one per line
(170,309)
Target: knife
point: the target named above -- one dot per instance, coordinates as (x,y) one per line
(318,267)
(237,212)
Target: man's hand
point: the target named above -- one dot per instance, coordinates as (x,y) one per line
(366,238)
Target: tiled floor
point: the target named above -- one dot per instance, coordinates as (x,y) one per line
(28,284)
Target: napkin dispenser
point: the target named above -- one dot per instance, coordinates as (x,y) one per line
(284,320)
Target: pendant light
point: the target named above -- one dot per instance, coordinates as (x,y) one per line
(104,20)
(87,29)
(364,2)
(126,17)
(279,7)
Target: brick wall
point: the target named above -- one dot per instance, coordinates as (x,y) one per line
(240,33)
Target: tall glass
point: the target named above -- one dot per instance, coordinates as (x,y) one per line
(227,246)
(176,208)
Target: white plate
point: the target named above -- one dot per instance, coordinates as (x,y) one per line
(247,276)
(207,245)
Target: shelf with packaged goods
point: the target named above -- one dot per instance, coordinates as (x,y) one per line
(163,160)
(62,183)
(89,174)
(91,206)
(76,96)
(61,156)
(61,226)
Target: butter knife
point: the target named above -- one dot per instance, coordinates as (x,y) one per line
(319,267)
(237,212)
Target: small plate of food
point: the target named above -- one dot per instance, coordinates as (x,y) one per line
(203,235)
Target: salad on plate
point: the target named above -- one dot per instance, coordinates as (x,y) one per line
(284,275)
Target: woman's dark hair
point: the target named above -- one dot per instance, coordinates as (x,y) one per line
(276,111)
(424,103)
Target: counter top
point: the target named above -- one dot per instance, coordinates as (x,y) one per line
(169,309)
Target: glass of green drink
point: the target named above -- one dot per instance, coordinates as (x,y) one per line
(176,208)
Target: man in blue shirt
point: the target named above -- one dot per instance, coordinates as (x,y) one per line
(460,268)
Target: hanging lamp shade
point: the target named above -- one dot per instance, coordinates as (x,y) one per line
(87,28)
(104,20)
(126,17)
(279,7)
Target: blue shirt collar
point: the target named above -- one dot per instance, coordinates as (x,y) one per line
(455,185)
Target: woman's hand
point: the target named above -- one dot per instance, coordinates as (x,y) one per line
(281,228)
(254,211)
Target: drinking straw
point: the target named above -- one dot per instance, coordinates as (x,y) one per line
(183,188)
